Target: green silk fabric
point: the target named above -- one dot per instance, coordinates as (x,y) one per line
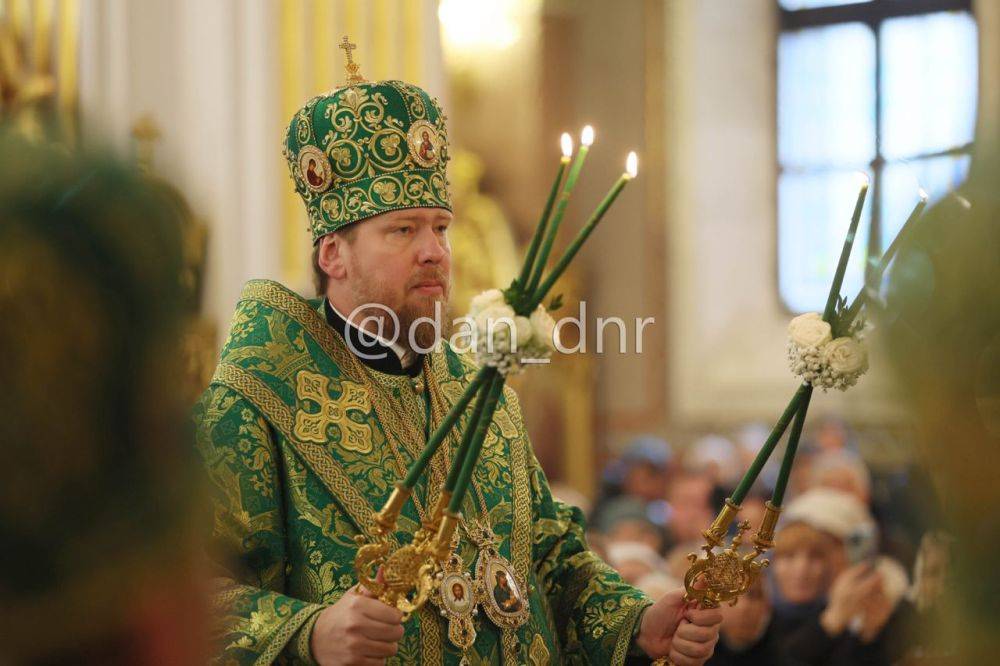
(297,437)
(365,149)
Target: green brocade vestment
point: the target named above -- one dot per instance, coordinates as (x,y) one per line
(303,444)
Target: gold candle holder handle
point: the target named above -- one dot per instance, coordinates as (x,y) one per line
(726,576)
(387,518)
(722,577)
(445,535)
(764,539)
(405,578)
(720,526)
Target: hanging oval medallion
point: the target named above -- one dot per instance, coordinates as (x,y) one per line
(315,168)
(501,590)
(456,597)
(425,143)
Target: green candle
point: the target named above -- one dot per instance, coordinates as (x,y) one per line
(876,275)
(536,239)
(772,441)
(586,139)
(418,466)
(470,429)
(845,254)
(476,444)
(790,449)
(631,170)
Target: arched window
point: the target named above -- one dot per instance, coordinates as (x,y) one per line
(887,87)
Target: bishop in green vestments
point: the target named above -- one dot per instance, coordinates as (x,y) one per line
(309,422)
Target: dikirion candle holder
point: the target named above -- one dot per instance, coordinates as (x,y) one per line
(724,577)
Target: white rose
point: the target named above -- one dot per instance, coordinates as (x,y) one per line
(495,322)
(845,356)
(523,327)
(542,325)
(809,330)
(484,300)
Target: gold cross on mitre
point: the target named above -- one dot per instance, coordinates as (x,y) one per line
(353,69)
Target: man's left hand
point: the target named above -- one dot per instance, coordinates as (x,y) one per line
(679,630)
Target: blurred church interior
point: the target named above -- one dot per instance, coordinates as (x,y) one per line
(751,118)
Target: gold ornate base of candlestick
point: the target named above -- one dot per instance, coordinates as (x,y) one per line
(726,576)
(404,578)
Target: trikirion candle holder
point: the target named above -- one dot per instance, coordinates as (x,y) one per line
(405,577)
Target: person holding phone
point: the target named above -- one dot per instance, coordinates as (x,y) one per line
(838,601)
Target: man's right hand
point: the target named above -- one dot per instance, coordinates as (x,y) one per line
(356,630)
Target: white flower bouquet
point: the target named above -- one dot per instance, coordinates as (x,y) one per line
(506,340)
(822,360)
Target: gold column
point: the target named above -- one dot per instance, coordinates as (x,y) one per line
(325,75)
(381,40)
(66,54)
(578,425)
(413,46)
(41,46)
(291,45)
(18,12)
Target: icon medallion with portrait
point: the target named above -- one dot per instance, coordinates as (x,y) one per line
(457,593)
(502,591)
(457,599)
(317,174)
(424,142)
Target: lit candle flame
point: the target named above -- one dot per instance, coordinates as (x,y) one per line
(566,143)
(587,135)
(632,165)
(923,194)
(863,180)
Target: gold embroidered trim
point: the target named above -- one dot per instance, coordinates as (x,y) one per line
(314,455)
(625,633)
(538,654)
(284,634)
(431,647)
(521,532)
(386,192)
(508,639)
(303,642)
(276,296)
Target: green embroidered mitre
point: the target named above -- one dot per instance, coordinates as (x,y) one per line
(367,148)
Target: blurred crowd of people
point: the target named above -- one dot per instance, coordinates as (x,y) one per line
(854,560)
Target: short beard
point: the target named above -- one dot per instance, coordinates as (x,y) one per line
(424,335)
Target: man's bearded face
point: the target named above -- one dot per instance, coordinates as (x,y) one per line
(402,260)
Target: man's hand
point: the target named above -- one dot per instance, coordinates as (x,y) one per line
(356,630)
(678,630)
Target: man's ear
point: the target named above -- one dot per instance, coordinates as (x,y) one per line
(332,257)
